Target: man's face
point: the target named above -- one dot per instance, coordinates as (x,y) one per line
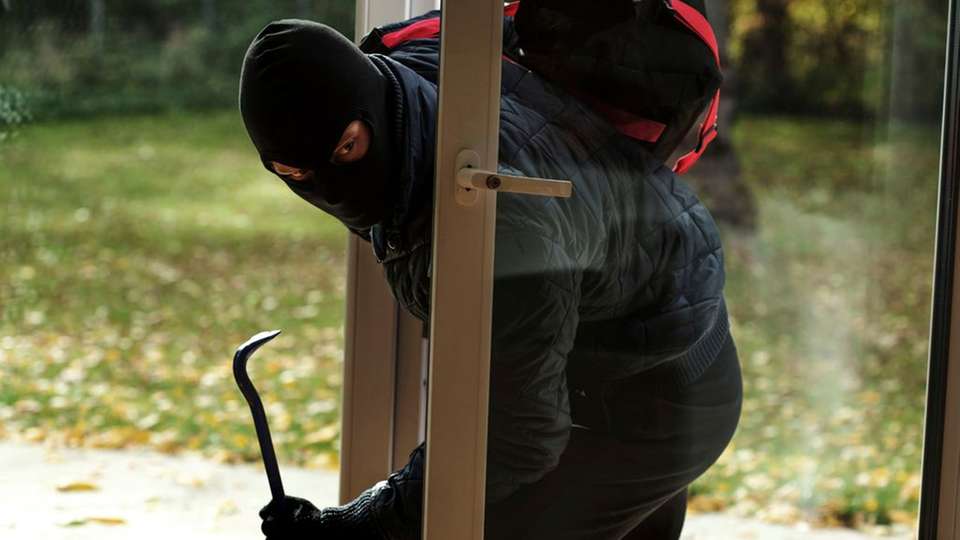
(343,183)
(321,115)
(353,145)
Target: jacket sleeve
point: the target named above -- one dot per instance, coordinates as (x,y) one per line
(535,315)
(535,306)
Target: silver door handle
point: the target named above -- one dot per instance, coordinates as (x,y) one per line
(470,177)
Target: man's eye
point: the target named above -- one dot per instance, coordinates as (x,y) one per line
(343,152)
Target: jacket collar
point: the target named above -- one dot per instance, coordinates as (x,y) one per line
(408,226)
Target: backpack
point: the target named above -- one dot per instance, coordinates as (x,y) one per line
(650,67)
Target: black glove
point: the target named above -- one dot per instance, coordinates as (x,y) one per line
(290,517)
(293,518)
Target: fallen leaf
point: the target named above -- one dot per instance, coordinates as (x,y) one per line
(97,519)
(116,438)
(107,520)
(77,486)
(323,435)
(191,480)
(227,508)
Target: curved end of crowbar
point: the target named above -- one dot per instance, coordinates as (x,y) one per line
(245,351)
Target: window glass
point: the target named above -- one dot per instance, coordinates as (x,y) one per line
(837,139)
(808,223)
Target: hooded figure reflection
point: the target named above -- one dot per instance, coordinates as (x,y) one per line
(614,379)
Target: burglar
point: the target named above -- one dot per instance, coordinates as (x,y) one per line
(614,378)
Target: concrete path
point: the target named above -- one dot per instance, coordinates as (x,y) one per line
(73,494)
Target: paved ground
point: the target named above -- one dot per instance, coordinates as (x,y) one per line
(111,495)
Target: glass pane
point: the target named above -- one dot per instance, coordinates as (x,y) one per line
(142,241)
(808,224)
(833,285)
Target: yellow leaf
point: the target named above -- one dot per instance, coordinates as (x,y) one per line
(902,516)
(167,442)
(97,519)
(322,435)
(107,520)
(35,434)
(115,438)
(77,486)
(240,440)
(705,503)
(227,508)
(321,461)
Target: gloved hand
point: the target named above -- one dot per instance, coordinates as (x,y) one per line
(290,518)
(293,518)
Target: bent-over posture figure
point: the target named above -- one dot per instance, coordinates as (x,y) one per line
(614,379)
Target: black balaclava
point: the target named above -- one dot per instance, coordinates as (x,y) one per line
(302,83)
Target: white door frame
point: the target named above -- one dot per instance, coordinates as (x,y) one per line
(369,368)
(462,278)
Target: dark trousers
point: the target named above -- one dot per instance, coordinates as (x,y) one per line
(636,446)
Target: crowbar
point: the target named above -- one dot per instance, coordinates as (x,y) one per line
(244,352)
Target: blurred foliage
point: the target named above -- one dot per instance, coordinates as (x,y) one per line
(150,55)
(141,252)
(826,57)
(13,111)
(848,57)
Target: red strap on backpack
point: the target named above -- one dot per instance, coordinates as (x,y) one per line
(698,24)
(686,14)
(428,28)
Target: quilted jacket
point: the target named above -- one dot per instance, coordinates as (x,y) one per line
(623,276)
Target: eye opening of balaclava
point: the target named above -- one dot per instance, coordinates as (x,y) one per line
(301,84)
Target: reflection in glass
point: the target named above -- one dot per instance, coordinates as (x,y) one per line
(836,141)
(823,182)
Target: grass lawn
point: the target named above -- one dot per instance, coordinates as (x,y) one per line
(136,253)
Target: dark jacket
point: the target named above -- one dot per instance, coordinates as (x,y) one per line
(623,276)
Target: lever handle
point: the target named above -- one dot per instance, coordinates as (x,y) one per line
(470,177)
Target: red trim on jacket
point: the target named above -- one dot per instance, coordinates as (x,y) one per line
(426,28)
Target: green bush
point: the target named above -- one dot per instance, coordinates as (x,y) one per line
(170,57)
(13,110)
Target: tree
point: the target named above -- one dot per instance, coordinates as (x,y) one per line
(210,14)
(97,22)
(766,46)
